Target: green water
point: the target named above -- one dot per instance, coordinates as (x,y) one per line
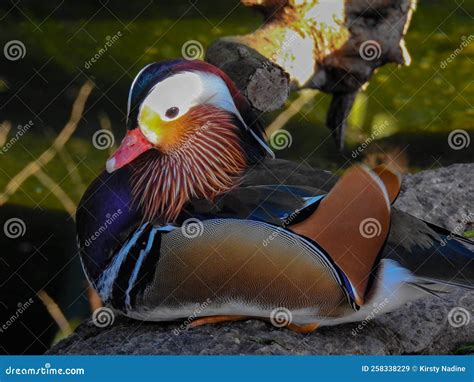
(422,103)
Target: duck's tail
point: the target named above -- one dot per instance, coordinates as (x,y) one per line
(432,254)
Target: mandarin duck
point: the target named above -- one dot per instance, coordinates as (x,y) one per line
(189,211)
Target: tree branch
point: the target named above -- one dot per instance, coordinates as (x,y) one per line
(330,45)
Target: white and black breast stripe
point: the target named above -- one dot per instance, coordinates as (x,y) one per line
(109,276)
(117,283)
(136,270)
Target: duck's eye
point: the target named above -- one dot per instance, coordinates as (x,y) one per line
(172,112)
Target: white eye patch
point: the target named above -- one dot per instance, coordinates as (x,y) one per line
(174,96)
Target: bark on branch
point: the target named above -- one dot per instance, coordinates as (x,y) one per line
(331,45)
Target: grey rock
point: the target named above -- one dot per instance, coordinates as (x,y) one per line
(429,326)
(444,197)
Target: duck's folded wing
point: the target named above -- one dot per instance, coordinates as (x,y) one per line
(276,204)
(274,191)
(279,171)
(234,267)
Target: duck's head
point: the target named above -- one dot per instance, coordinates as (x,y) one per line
(171,101)
(189,134)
